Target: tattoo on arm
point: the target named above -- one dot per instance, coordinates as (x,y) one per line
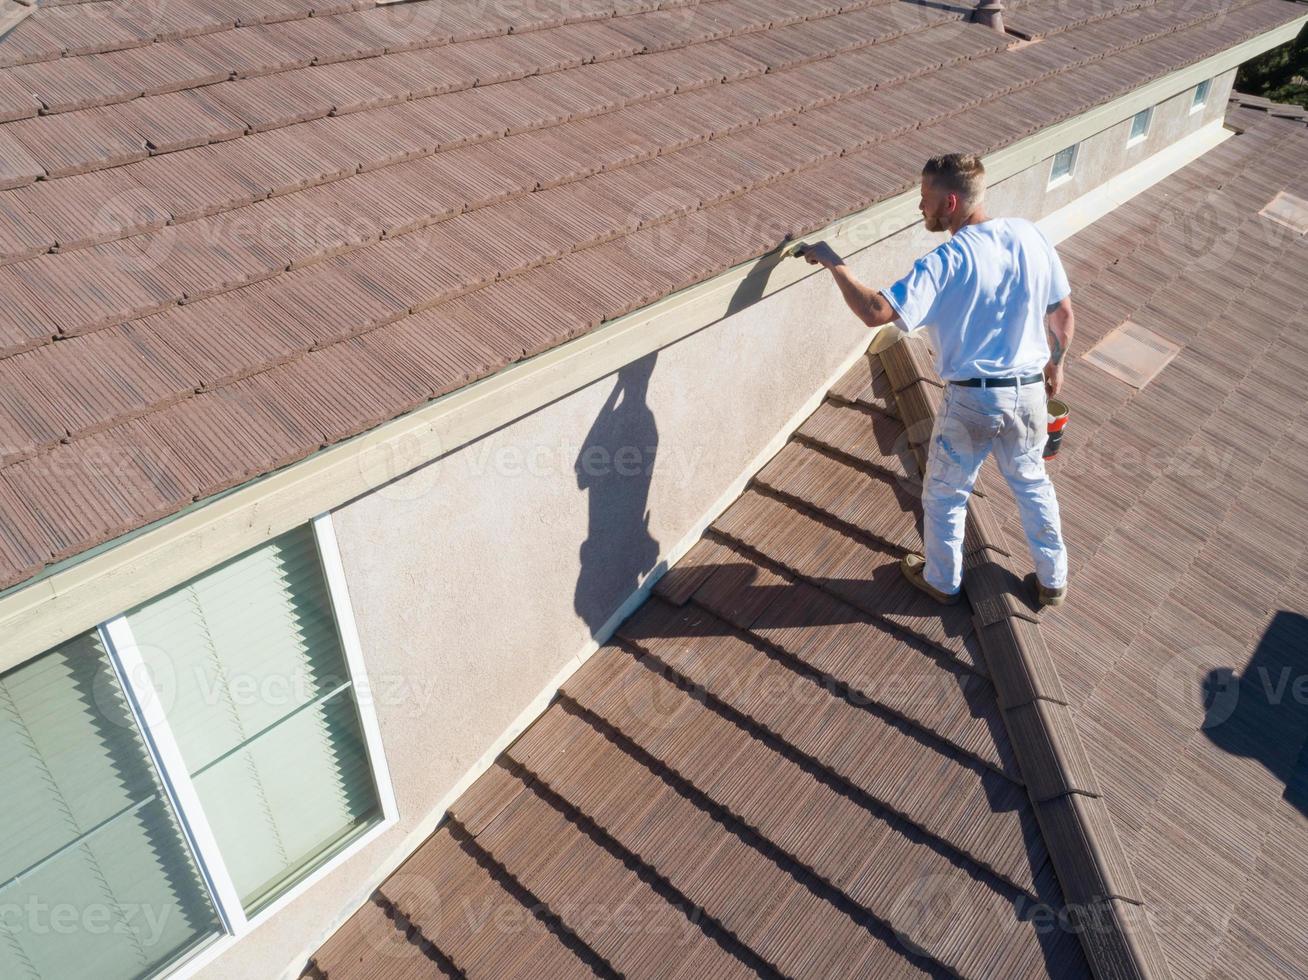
(881,310)
(1056,350)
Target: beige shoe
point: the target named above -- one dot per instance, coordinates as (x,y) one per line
(914,567)
(1051,597)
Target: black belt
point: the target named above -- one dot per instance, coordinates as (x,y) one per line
(1030,379)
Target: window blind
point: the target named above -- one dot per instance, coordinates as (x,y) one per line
(250,671)
(96,878)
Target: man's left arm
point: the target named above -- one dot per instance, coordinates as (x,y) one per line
(1060,320)
(1062,326)
(868,304)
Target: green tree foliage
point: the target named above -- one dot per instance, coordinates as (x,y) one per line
(1280,74)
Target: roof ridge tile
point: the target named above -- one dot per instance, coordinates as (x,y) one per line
(1084,848)
(1056,761)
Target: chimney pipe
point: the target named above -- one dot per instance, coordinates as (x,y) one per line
(990,13)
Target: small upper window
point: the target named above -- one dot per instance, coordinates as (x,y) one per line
(1063,165)
(1140,126)
(1201,95)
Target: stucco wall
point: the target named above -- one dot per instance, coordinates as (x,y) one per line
(478,578)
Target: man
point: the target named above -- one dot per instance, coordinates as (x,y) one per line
(983,296)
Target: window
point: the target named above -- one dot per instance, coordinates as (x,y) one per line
(1200,95)
(1140,126)
(181,771)
(96,876)
(1064,163)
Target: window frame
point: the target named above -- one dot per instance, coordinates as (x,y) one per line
(1148,114)
(124,655)
(1060,179)
(1201,92)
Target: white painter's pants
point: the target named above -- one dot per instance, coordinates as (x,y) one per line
(971,423)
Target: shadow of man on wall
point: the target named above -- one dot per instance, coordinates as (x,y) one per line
(1263,714)
(615,467)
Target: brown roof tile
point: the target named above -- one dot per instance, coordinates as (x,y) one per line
(16,100)
(20,538)
(1171,619)
(28,41)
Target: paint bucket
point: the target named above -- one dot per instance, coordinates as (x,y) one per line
(1057,412)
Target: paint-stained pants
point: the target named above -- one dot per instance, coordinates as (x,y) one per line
(972,423)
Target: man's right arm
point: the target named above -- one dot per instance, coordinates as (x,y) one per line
(868,304)
(1062,325)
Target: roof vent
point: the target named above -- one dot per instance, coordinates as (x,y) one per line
(990,13)
(1132,354)
(1289,210)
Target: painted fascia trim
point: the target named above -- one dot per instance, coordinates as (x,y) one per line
(64,603)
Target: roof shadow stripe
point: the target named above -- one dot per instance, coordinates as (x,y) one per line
(804,875)
(819,770)
(860,698)
(712,928)
(538,908)
(413,935)
(961,651)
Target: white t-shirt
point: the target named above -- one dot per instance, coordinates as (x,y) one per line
(982,296)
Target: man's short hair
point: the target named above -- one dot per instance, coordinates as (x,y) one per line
(958,173)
